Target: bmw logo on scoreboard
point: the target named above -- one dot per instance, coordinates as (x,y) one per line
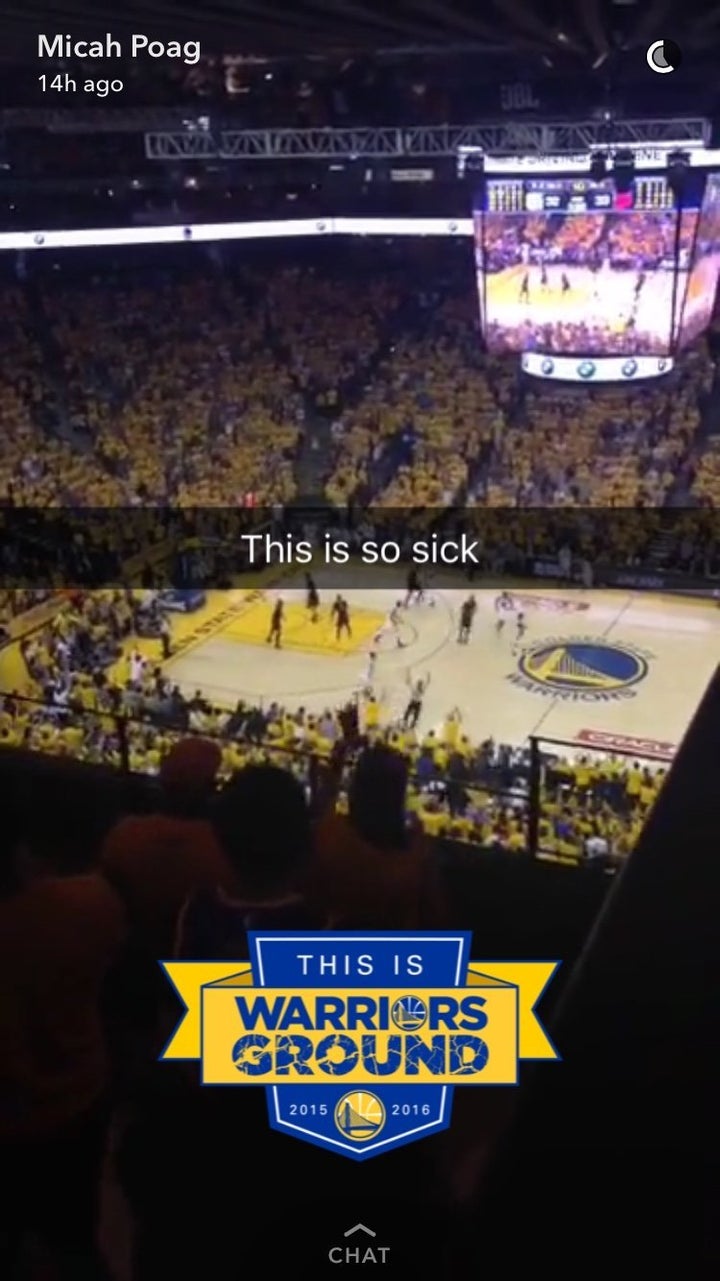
(603,369)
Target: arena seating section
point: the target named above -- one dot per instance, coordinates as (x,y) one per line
(356,370)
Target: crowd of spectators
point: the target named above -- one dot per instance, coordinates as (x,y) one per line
(465,791)
(180,404)
(574,241)
(36,466)
(206,387)
(644,241)
(636,240)
(704,478)
(614,448)
(84,1014)
(21,600)
(563,336)
(432,412)
(192,392)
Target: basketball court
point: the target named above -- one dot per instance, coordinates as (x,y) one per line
(605,299)
(596,668)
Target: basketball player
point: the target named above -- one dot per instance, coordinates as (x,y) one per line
(369,674)
(428,595)
(341,614)
(414,589)
(521,628)
(165,638)
(413,711)
(525,288)
(312,600)
(503,608)
(639,285)
(274,636)
(393,623)
(543,277)
(467,618)
(564,284)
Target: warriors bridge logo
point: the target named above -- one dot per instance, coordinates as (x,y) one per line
(359,1039)
(581,669)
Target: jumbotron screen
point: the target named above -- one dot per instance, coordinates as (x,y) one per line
(572,266)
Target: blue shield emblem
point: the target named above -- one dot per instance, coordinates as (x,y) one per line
(359,1038)
(362,1122)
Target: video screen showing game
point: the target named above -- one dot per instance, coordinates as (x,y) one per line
(703,282)
(574,266)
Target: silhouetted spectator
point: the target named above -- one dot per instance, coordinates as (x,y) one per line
(262,824)
(372,868)
(156,860)
(170,1171)
(58,937)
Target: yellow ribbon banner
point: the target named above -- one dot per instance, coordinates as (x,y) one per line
(472,1034)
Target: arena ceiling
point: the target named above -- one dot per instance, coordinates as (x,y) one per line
(560,32)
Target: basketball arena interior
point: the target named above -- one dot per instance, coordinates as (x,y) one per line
(360,570)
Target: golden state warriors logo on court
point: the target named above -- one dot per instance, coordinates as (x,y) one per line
(581,669)
(359,1039)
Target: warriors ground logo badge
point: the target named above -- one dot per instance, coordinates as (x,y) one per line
(581,669)
(359,1039)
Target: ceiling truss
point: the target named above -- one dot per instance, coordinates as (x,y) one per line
(423,142)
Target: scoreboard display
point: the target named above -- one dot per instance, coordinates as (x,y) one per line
(570,266)
(650,193)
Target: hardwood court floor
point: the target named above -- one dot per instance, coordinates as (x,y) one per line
(591,664)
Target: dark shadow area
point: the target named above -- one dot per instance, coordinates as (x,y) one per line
(619,1139)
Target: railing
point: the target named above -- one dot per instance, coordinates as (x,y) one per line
(556,800)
